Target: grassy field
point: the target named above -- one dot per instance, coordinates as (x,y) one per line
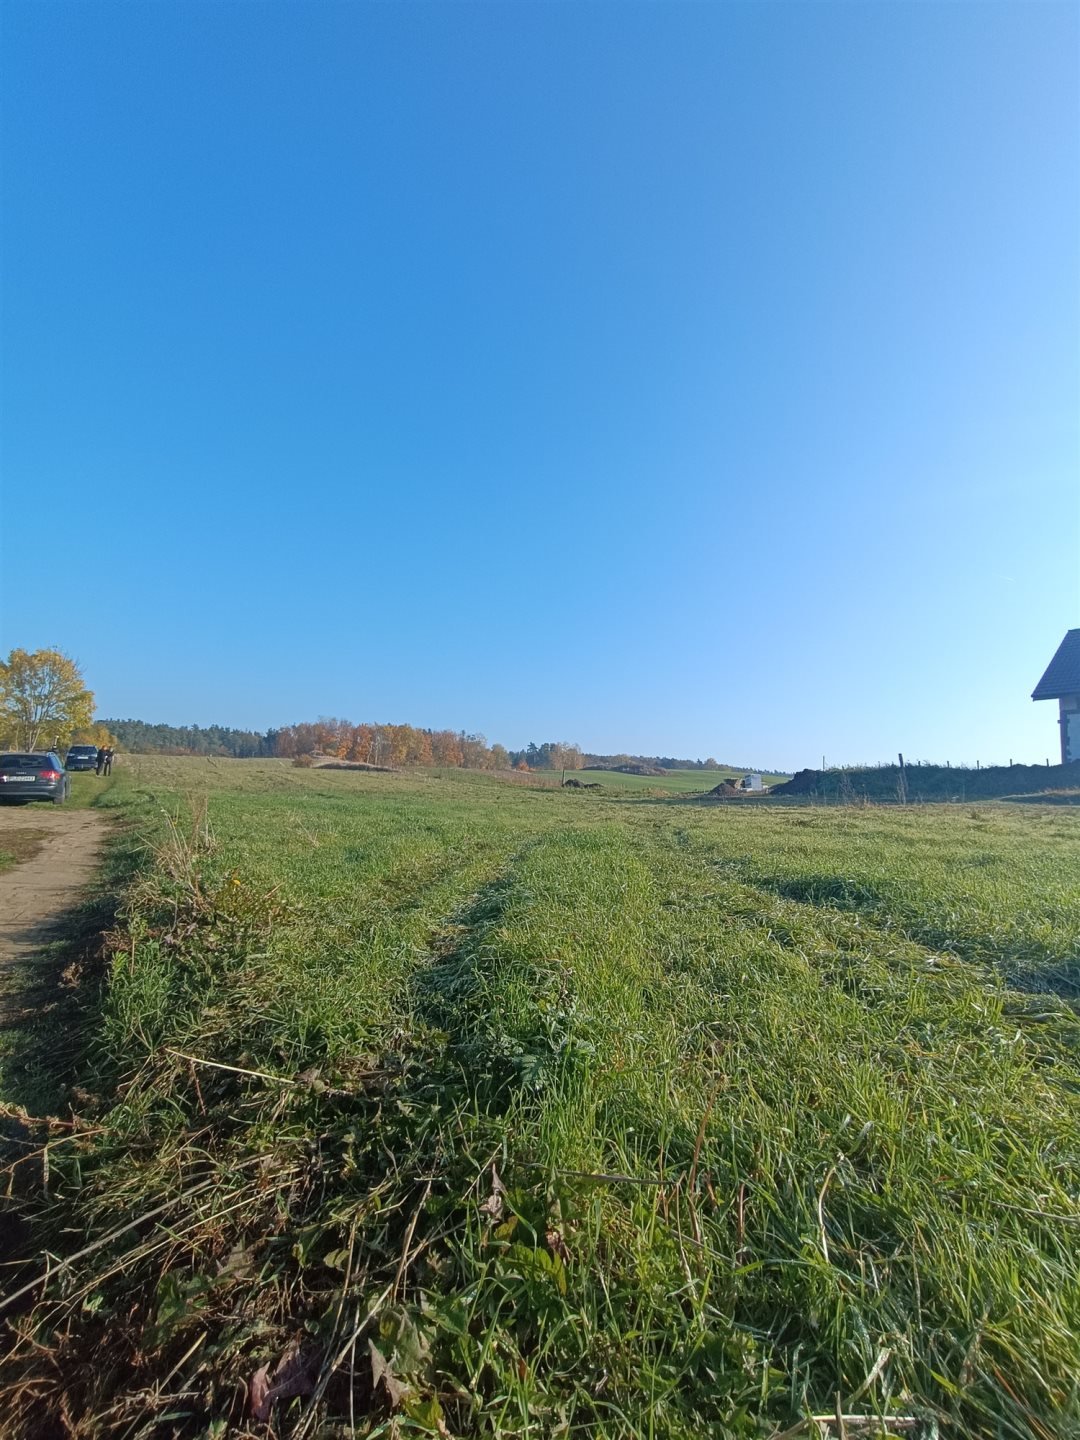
(478,1109)
(675,782)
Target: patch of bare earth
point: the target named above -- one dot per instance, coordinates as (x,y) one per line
(16,846)
(37,892)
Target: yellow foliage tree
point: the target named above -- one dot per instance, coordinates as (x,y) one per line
(43,699)
(446,748)
(96,734)
(566,756)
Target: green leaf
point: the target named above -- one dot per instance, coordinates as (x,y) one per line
(177,1302)
(537,1264)
(426,1412)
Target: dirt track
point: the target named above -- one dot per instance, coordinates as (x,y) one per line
(34,894)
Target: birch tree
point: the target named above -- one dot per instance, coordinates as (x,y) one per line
(43,699)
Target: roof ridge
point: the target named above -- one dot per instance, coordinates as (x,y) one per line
(1062,675)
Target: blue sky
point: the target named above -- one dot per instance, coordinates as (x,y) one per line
(693,379)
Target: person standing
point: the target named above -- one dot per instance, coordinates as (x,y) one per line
(100,760)
(108,760)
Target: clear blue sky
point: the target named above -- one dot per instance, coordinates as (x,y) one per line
(694,379)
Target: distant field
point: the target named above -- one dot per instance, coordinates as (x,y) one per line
(533,1113)
(675,781)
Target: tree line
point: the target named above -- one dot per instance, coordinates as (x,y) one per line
(395,745)
(666,762)
(375,744)
(659,762)
(369,743)
(44,701)
(141,738)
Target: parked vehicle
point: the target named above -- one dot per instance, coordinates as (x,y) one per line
(81,757)
(36,775)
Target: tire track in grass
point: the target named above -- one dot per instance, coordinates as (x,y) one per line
(1022,963)
(453,993)
(543,991)
(961,886)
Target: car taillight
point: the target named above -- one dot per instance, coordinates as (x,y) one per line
(50,775)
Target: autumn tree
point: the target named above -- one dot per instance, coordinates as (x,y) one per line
(565,756)
(293,740)
(97,734)
(403,745)
(42,699)
(379,751)
(475,754)
(446,748)
(332,736)
(420,748)
(397,744)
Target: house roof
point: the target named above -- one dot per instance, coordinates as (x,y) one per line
(1063,673)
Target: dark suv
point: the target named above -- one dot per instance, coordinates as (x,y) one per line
(81,757)
(33,775)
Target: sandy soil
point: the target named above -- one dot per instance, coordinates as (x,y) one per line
(34,894)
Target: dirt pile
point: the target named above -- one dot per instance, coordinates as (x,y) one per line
(332,764)
(803,782)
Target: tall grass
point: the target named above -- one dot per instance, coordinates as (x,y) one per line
(482,1111)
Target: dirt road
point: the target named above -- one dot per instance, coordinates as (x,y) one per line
(35,893)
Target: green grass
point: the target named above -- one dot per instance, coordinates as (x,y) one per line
(595,1115)
(675,782)
(85,792)
(87,789)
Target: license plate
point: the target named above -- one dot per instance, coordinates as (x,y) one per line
(20,777)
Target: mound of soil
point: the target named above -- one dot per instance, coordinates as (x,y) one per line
(353,765)
(803,782)
(726,788)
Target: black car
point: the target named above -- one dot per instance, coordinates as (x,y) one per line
(33,775)
(81,757)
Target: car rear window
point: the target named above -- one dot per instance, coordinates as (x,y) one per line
(25,762)
(83,750)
